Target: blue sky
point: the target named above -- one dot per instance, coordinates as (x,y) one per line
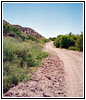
(49,19)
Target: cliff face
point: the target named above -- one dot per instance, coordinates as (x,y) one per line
(25,30)
(28,31)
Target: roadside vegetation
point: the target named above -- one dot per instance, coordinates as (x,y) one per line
(52,39)
(70,41)
(21,55)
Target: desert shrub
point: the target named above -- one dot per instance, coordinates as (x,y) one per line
(12,75)
(57,41)
(52,38)
(79,42)
(9,81)
(42,55)
(32,38)
(22,52)
(15,29)
(23,37)
(66,42)
(13,79)
(7,28)
(35,56)
(18,56)
(73,48)
(6,84)
(70,41)
(43,40)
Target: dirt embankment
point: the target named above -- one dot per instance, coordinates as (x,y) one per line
(61,75)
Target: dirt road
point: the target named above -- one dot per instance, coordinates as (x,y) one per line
(73,66)
(61,75)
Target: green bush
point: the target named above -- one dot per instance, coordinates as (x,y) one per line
(57,41)
(79,42)
(52,38)
(15,29)
(32,38)
(7,28)
(70,41)
(43,40)
(6,84)
(23,37)
(66,42)
(22,52)
(72,48)
(12,75)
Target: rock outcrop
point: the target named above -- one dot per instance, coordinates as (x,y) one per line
(24,30)
(28,31)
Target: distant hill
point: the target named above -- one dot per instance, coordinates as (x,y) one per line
(24,30)
(5,22)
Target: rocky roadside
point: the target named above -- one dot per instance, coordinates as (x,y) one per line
(47,81)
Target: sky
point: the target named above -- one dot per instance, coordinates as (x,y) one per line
(48,19)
